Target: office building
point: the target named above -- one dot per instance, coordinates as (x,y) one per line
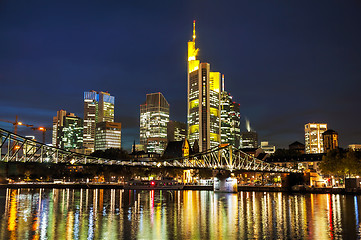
(67,131)
(330,140)
(249,139)
(98,107)
(267,148)
(230,119)
(313,137)
(203,94)
(57,122)
(176,131)
(154,117)
(108,135)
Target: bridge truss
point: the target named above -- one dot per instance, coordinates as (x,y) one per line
(15,148)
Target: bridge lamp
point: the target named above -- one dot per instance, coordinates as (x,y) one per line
(159,164)
(72,161)
(46,159)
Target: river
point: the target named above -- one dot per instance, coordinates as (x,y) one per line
(118,214)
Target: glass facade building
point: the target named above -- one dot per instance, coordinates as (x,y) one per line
(176,131)
(67,131)
(154,117)
(230,120)
(98,107)
(249,139)
(108,135)
(203,94)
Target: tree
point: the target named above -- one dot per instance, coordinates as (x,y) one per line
(340,163)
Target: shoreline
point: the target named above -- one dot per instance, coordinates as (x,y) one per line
(186,187)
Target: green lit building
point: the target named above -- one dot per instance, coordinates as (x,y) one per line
(68,132)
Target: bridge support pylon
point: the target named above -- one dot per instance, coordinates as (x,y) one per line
(227,184)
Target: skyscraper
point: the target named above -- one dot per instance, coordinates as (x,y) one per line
(249,139)
(57,122)
(176,131)
(67,131)
(107,135)
(313,137)
(203,94)
(154,116)
(230,119)
(98,107)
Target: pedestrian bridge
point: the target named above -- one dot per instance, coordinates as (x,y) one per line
(16,148)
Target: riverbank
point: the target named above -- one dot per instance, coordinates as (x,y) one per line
(186,187)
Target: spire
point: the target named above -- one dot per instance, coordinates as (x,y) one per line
(194,30)
(222,82)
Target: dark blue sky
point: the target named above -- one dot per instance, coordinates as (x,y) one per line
(286,62)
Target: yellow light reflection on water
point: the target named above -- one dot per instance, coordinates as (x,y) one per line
(119,214)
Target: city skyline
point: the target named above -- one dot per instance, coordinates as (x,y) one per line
(287,64)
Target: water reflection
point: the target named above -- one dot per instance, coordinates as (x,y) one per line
(119,214)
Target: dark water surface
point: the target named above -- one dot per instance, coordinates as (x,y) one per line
(118,214)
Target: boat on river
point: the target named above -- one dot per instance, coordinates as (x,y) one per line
(164,184)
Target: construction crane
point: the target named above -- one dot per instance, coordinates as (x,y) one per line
(16,124)
(43,129)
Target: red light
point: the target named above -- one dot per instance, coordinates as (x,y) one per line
(152,183)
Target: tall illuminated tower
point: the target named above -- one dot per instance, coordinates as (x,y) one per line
(203,94)
(98,107)
(230,119)
(154,117)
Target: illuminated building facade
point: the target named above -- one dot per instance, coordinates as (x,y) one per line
(354,147)
(249,139)
(330,140)
(108,135)
(154,117)
(313,137)
(98,107)
(176,131)
(67,131)
(203,94)
(230,120)
(71,133)
(57,122)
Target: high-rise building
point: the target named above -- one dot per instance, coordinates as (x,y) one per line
(107,135)
(249,139)
(330,140)
(313,137)
(57,122)
(71,133)
(67,131)
(154,117)
(176,131)
(98,107)
(203,94)
(230,119)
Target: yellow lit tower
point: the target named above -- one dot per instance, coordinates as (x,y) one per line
(203,95)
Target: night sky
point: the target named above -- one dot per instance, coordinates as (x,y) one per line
(286,62)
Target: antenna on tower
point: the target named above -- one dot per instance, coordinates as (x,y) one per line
(194,30)
(222,82)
